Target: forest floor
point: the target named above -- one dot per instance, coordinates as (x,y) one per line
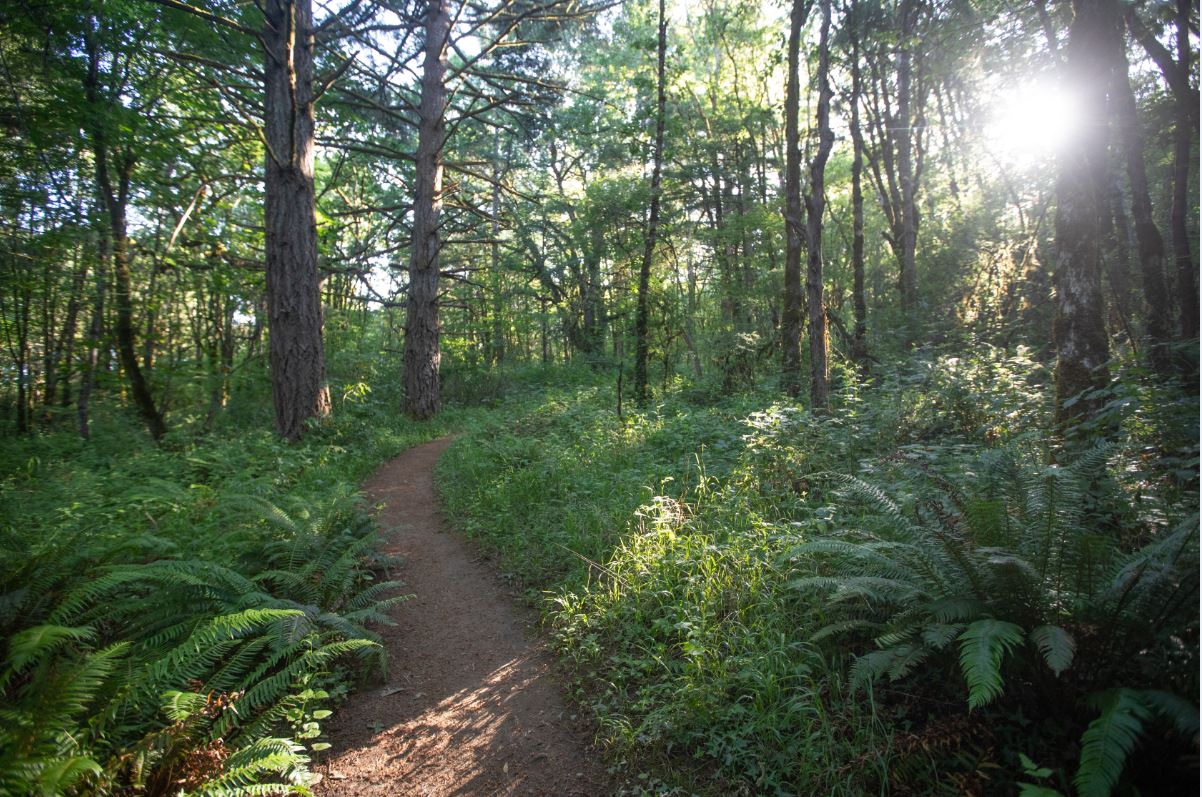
(471,704)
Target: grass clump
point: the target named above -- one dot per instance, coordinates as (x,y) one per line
(917,593)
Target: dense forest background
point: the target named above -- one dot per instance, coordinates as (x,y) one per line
(827,373)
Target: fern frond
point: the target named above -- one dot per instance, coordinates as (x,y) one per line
(955,608)
(982,647)
(1176,710)
(940,635)
(1108,741)
(897,662)
(1056,645)
(58,775)
(179,706)
(905,659)
(32,645)
(843,627)
(244,770)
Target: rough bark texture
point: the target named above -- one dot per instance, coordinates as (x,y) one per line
(907,278)
(297,355)
(1147,235)
(422,352)
(657,156)
(791,312)
(860,306)
(1186,115)
(497,348)
(815,207)
(1082,348)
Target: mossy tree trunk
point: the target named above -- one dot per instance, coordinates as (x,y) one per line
(1082,348)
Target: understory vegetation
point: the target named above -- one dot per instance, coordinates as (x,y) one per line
(916,594)
(825,371)
(181,619)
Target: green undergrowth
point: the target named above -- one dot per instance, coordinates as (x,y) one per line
(907,596)
(183,618)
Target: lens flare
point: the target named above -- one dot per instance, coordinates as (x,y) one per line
(1030,123)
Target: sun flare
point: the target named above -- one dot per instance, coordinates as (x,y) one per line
(1031,122)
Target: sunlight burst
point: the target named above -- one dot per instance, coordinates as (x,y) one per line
(1031,122)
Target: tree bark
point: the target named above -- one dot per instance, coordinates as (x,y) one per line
(859,305)
(65,350)
(114,199)
(123,299)
(907,279)
(791,312)
(294,314)
(115,205)
(657,156)
(815,207)
(95,331)
(1186,110)
(1148,238)
(422,353)
(1082,348)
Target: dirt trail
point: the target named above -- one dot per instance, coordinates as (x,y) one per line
(470,707)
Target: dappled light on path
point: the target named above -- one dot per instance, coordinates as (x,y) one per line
(470,705)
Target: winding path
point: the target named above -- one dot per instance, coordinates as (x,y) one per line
(470,707)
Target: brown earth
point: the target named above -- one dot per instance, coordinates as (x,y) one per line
(471,706)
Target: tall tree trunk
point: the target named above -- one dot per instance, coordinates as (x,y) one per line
(16,336)
(422,354)
(859,305)
(65,352)
(790,325)
(1117,242)
(87,379)
(815,207)
(51,347)
(294,315)
(1147,235)
(690,317)
(908,278)
(1186,110)
(657,156)
(1082,348)
(115,201)
(496,344)
(496,353)
(594,307)
(746,252)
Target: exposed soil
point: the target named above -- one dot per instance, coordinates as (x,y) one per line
(470,705)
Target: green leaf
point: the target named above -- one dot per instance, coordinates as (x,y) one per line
(1056,645)
(1031,769)
(1033,790)
(32,644)
(62,773)
(1177,710)
(982,646)
(178,706)
(1108,741)
(940,635)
